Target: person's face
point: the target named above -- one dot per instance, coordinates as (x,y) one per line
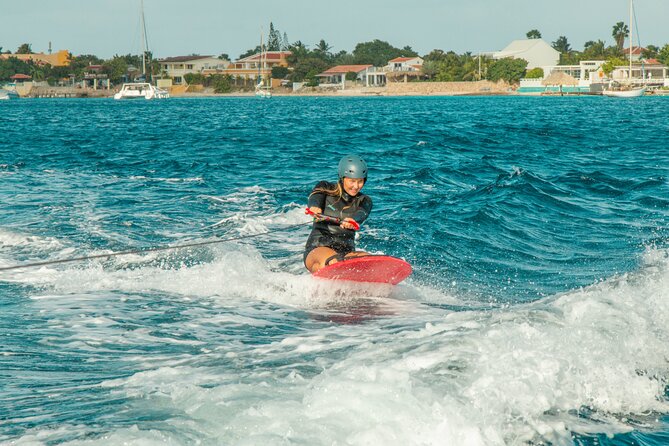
(353,185)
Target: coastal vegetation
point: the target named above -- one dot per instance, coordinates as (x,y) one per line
(306,62)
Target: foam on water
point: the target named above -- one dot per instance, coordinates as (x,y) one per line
(582,361)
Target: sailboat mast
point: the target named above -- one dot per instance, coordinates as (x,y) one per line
(631,36)
(144,42)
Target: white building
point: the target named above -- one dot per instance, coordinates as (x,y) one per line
(336,76)
(177,67)
(400,68)
(405,64)
(537,53)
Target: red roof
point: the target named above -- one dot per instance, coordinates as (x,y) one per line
(20,76)
(343,69)
(635,50)
(268,55)
(402,59)
(653,62)
(183,58)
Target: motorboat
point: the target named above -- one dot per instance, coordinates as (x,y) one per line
(141,90)
(6,95)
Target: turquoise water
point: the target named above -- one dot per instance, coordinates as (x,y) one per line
(537,313)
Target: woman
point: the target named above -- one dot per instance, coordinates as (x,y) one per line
(329,243)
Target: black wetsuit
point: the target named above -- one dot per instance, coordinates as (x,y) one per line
(331,235)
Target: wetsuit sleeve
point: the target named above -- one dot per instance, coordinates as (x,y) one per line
(364,210)
(318,198)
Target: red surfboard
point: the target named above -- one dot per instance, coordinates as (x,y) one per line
(370,269)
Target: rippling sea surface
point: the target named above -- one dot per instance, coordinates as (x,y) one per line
(537,314)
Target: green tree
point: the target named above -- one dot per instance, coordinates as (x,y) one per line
(378,53)
(279,72)
(650,52)
(322,50)
(224,56)
(663,54)
(343,58)
(194,79)
(273,39)
(10,67)
(79,64)
(285,43)
(222,83)
(533,34)
(430,69)
(510,70)
(562,45)
(298,51)
(594,49)
(24,48)
(351,76)
(535,73)
(116,68)
(611,64)
(250,52)
(620,32)
(307,69)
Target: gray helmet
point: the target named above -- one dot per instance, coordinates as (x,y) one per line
(352,166)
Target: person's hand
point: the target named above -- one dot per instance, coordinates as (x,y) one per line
(316,210)
(346,224)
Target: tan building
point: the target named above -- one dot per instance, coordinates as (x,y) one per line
(177,67)
(252,66)
(61,58)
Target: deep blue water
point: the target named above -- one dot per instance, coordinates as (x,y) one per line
(538,311)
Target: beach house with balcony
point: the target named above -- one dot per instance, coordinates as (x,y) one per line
(177,67)
(405,64)
(258,64)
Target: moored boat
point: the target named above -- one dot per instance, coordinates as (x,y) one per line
(625,93)
(141,90)
(8,94)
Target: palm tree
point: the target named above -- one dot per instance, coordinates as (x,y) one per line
(620,31)
(323,48)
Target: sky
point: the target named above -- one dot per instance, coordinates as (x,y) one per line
(214,27)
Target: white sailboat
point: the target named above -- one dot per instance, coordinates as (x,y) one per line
(142,90)
(262,90)
(627,91)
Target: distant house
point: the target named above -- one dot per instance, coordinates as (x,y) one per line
(405,64)
(177,67)
(636,53)
(337,75)
(258,64)
(95,77)
(58,59)
(537,53)
(398,69)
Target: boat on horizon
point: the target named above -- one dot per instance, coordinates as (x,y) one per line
(263,91)
(144,89)
(627,91)
(141,90)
